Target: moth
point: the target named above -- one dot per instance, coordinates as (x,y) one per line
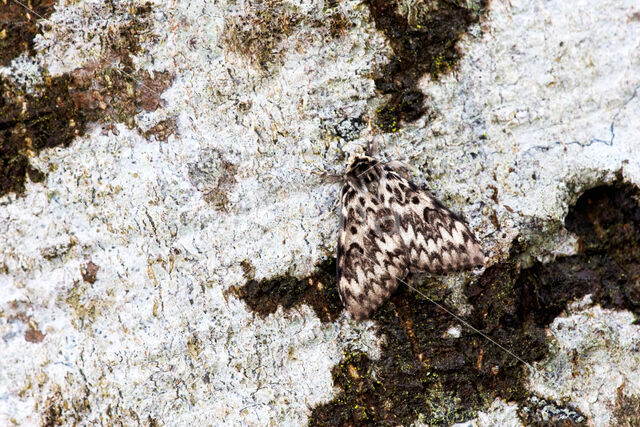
(391,228)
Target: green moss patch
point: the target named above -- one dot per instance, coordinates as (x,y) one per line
(259,33)
(627,410)
(318,290)
(53,113)
(606,220)
(423,36)
(425,373)
(30,123)
(20,26)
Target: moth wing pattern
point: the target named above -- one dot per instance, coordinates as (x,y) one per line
(371,255)
(391,228)
(436,240)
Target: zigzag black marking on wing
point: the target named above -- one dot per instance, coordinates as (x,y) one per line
(436,239)
(371,254)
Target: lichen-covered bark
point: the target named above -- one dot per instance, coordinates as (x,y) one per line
(53,113)
(423,373)
(174,263)
(423,36)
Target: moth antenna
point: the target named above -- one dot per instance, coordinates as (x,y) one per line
(532,368)
(398,151)
(402,167)
(371,148)
(324,176)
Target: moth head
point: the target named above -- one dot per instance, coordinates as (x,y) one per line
(364,173)
(359,163)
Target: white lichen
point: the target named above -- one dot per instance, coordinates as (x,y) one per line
(593,356)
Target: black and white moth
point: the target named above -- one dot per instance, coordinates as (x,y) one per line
(391,228)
